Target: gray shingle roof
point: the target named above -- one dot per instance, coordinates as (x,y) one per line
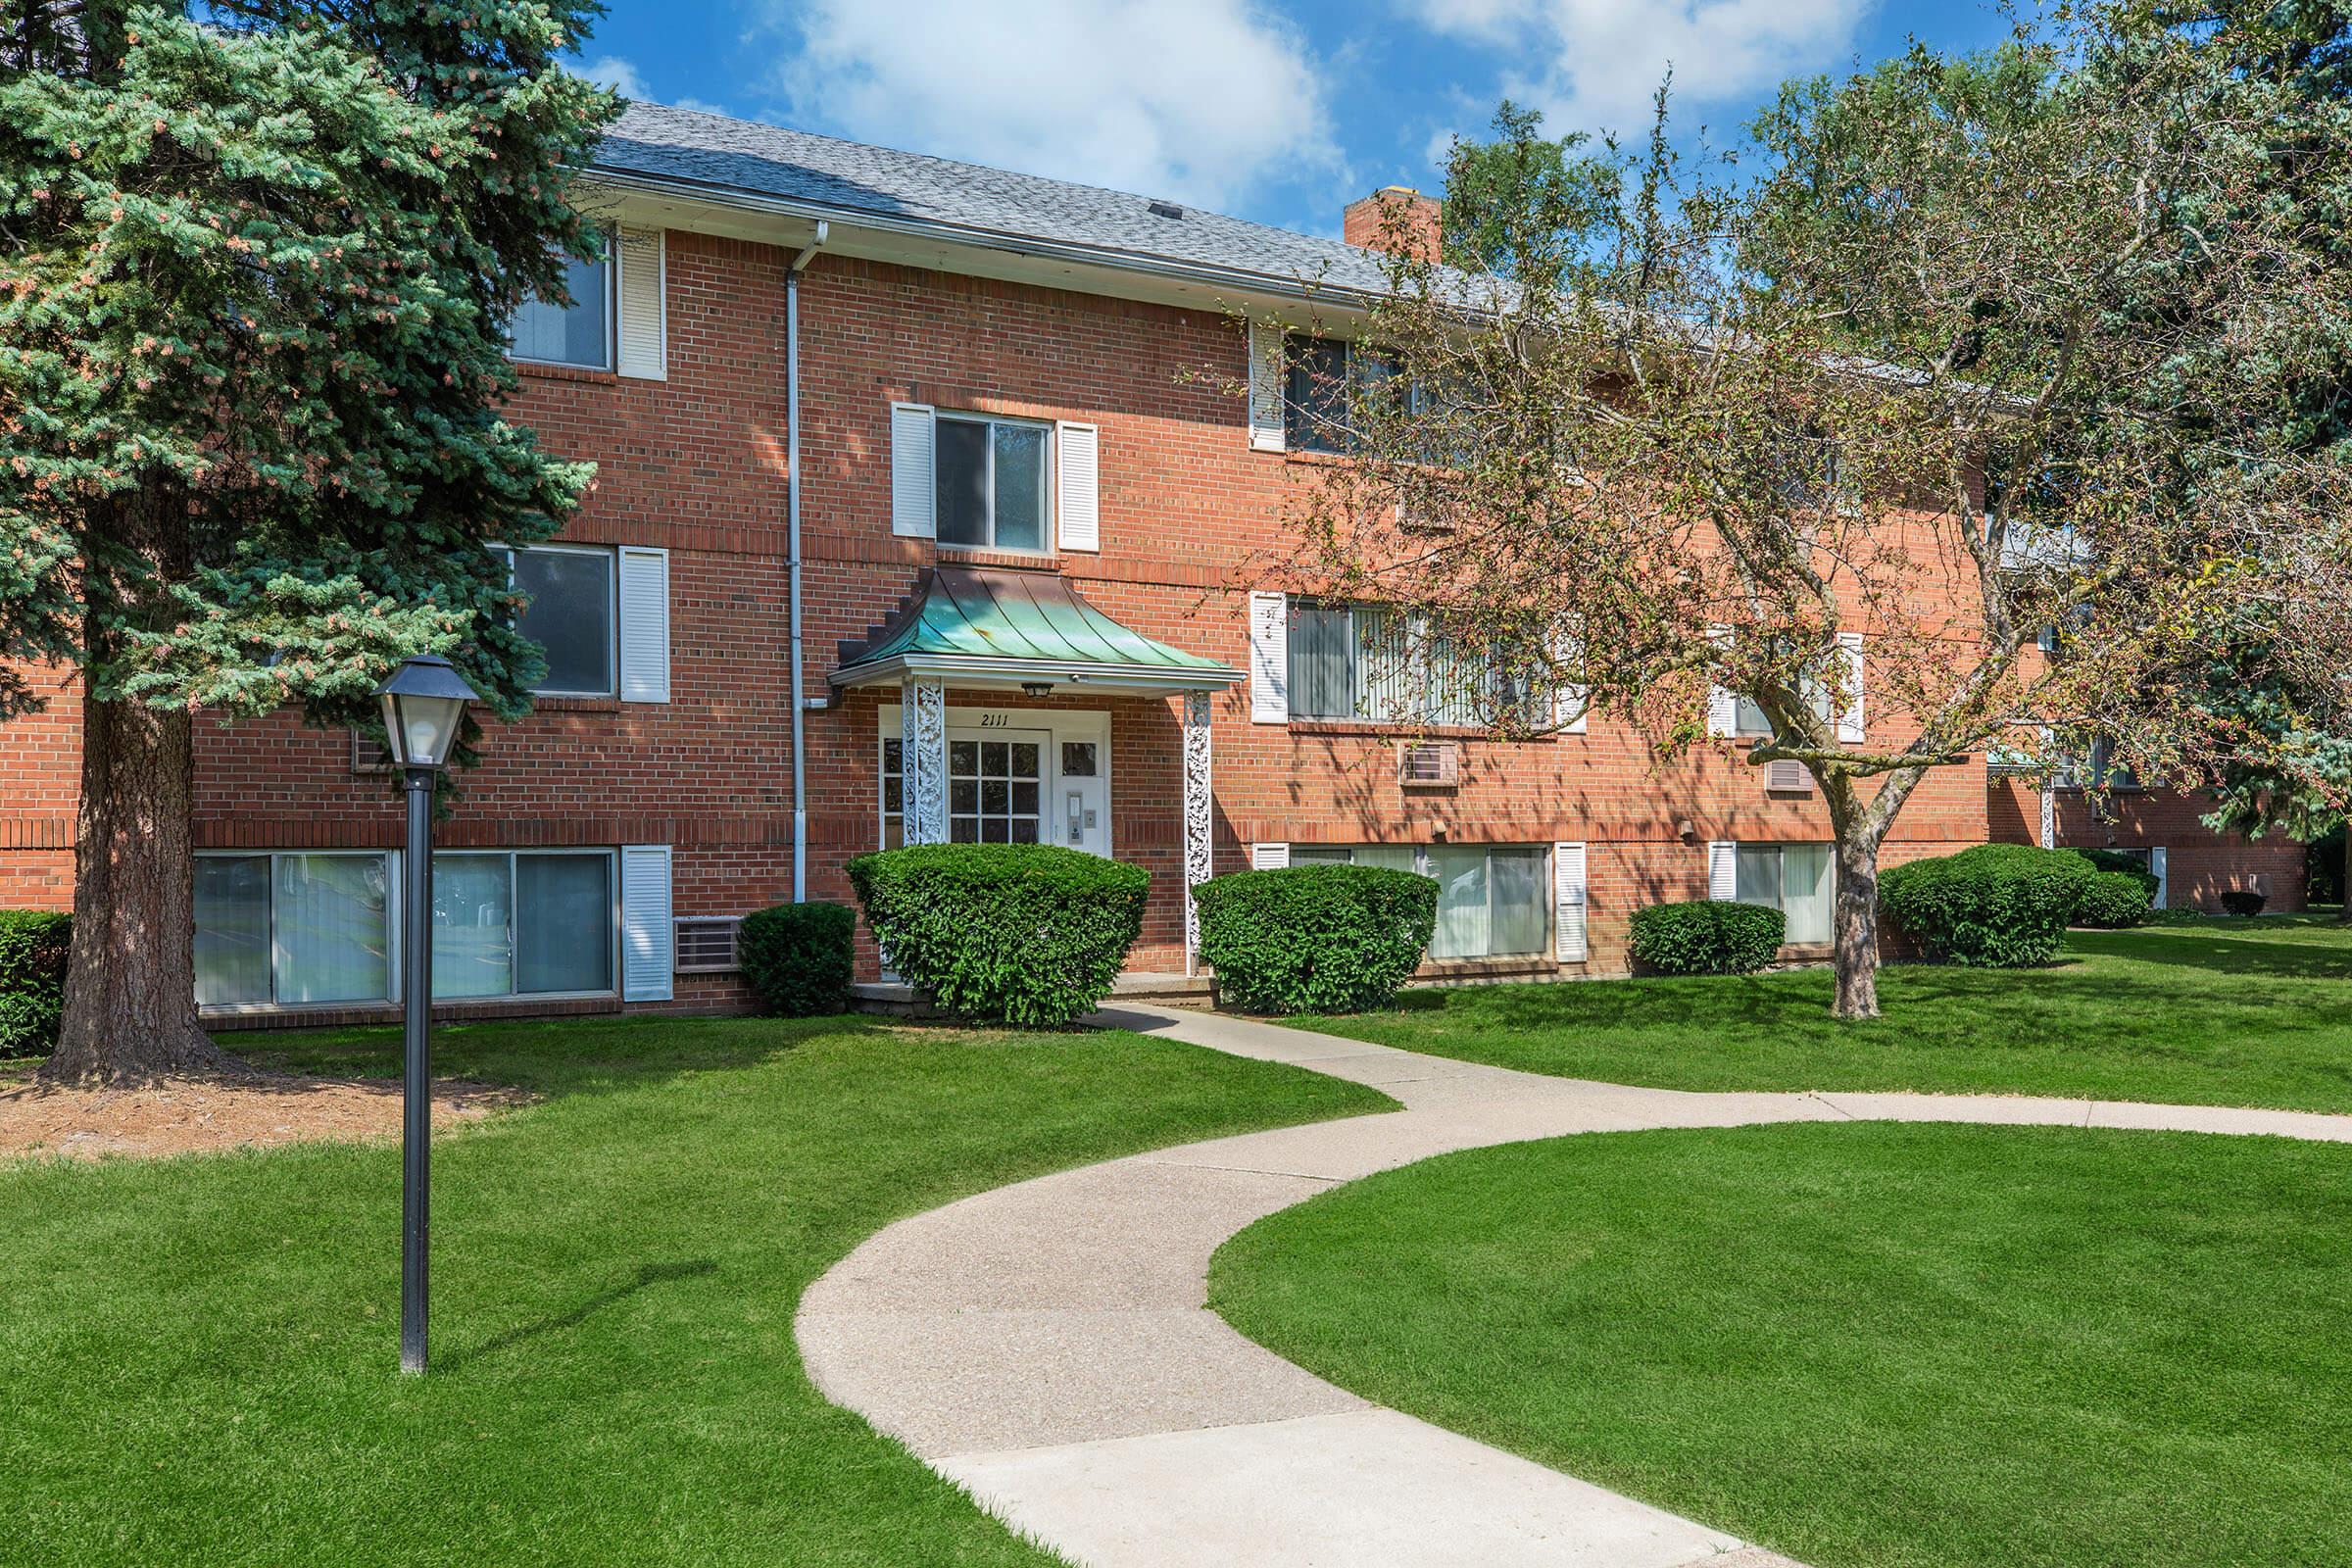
(713,151)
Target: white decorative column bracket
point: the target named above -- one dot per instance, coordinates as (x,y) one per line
(1197,803)
(923,760)
(2050,816)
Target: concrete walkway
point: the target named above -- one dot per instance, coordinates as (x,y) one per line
(1048,1344)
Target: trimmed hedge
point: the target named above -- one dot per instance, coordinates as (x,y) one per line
(2135,867)
(1004,932)
(2114,900)
(2244,902)
(33,948)
(1331,938)
(1996,907)
(799,958)
(1711,936)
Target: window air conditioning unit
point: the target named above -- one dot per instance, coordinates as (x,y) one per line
(1785,775)
(1429,766)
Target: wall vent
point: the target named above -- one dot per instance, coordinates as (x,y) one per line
(370,755)
(707,944)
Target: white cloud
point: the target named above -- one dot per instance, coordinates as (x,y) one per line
(1593,65)
(1205,100)
(616,73)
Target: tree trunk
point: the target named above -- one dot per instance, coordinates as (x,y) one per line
(130,992)
(1856,926)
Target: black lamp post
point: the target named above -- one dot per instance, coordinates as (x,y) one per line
(424,704)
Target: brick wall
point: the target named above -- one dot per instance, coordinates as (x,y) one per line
(2200,864)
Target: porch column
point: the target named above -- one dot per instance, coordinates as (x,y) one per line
(2049,814)
(923,760)
(1196,819)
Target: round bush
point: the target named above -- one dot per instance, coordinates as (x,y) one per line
(1996,906)
(799,958)
(2243,902)
(1712,936)
(1004,932)
(2113,900)
(1315,938)
(33,948)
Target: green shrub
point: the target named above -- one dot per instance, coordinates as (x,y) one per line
(33,945)
(1330,938)
(2135,867)
(799,958)
(1712,936)
(2242,901)
(1996,906)
(1004,932)
(2114,900)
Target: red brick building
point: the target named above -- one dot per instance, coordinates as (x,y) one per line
(1032,535)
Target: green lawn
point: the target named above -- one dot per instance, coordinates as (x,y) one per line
(197,1355)
(1865,1346)
(2222,1012)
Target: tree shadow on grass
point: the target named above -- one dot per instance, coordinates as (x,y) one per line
(2223,952)
(646,1276)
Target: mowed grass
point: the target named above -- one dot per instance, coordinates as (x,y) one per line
(197,1356)
(1863,1346)
(2220,1013)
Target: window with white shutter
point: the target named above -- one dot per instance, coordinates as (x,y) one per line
(1269,856)
(914,490)
(1077,485)
(1269,658)
(1268,365)
(643,312)
(1569,701)
(644,625)
(1723,870)
(646,936)
(1723,704)
(2163,900)
(1568,894)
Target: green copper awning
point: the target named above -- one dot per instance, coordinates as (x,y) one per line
(979,627)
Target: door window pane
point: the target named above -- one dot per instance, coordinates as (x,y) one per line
(579,333)
(232,929)
(562,923)
(332,936)
(570,616)
(1759,880)
(1805,884)
(473,949)
(1020,487)
(1463,929)
(1521,907)
(960,451)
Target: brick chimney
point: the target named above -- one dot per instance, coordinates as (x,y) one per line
(1396,219)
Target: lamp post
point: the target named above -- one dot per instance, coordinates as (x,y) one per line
(424,704)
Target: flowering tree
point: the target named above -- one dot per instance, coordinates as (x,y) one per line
(1902,392)
(253,301)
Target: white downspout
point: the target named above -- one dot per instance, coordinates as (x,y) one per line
(792,558)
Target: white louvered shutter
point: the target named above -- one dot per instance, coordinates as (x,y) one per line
(1077,481)
(644,308)
(1723,704)
(644,625)
(1849,721)
(1269,856)
(1267,367)
(1723,870)
(644,929)
(1269,658)
(1569,701)
(913,496)
(1568,895)
(2164,887)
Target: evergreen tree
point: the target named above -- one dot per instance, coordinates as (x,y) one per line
(254,296)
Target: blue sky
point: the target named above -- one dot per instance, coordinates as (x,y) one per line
(1277,110)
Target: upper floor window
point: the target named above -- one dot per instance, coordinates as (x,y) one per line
(580,333)
(573,614)
(1374,662)
(1325,379)
(993,493)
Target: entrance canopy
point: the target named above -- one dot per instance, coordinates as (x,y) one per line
(974,627)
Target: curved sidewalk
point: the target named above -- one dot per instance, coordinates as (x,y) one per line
(1049,1346)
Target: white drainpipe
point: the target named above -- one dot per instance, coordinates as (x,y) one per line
(792,559)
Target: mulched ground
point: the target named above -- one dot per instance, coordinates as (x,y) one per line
(211,1115)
